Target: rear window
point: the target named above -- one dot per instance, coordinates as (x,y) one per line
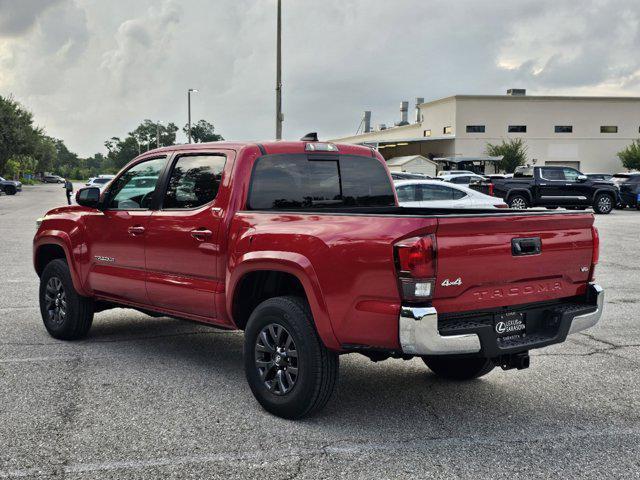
(290,182)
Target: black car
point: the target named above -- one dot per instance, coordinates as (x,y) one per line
(552,187)
(10,187)
(629,184)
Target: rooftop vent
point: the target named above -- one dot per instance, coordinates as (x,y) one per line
(366,119)
(419,101)
(517,92)
(404,114)
(382,126)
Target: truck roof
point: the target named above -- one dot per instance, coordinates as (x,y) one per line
(269,147)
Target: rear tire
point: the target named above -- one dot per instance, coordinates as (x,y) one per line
(290,372)
(66,314)
(457,368)
(518,202)
(603,204)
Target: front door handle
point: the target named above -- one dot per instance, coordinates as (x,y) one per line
(136,230)
(201,234)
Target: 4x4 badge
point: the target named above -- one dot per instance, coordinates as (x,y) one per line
(455,283)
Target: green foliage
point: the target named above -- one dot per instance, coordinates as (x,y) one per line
(26,150)
(202,131)
(630,156)
(514,153)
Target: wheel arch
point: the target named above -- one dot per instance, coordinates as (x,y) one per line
(258,276)
(51,247)
(524,192)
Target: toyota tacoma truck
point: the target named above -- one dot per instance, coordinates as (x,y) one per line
(551,187)
(302,245)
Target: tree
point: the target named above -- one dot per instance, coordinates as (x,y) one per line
(202,131)
(514,153)
(630,156)
(18,136)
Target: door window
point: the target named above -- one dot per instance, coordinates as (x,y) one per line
(552,174)
(133,190)
(570,174)
(436,192)
(194,181)
(407,193)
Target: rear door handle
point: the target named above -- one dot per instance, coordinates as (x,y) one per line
(201,234)
(136,230)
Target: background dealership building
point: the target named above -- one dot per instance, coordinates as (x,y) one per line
(582,132)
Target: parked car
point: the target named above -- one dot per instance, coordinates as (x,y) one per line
(90,181)
(100,181)
(551,187)
(10,187)
(629,185)
(449,173)
(302,245)
(52,179)
(438,194)
(463,179)
(409,176)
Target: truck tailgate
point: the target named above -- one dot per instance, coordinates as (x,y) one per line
(479,266)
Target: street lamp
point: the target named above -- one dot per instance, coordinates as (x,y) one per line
(158,123)
(189,92)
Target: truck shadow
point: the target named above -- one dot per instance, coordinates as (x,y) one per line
(395,397)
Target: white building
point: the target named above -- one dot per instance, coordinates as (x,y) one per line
(413,164)
(582,132)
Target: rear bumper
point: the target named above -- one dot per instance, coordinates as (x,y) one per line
(422,332)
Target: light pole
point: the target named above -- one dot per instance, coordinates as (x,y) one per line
(279,74)
(191,90)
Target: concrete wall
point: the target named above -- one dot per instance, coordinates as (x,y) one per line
(595,151)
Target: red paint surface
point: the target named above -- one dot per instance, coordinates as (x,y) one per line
(344,262)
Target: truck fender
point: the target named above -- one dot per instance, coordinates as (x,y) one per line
(605,190)
(292,263)
(520,191)
(63,240)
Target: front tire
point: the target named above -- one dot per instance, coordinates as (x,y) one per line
(603,204)
(10,190)
(518,202)
(290,372)
(66,314)
(458,368)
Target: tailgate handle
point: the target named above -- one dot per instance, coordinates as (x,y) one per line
(526,246)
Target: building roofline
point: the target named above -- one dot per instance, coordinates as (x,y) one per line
(532,97)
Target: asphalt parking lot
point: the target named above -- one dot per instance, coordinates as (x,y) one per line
(160,398)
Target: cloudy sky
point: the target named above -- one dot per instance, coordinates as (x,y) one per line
(92,69)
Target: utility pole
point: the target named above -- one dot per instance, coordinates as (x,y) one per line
(191,90)
(279,115)
(157,134)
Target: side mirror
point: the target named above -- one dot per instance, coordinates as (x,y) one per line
(582,178)
(88,197)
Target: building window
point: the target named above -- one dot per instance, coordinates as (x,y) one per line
(517,129)
(609,129)
(475,129)
(564,128)
(447,130)
(427,133)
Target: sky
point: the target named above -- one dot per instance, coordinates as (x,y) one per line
(93,69)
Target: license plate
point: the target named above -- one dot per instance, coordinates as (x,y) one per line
(510,324)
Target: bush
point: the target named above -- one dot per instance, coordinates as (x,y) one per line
(514,153)
(630,156)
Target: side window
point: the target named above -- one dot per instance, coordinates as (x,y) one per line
(194,181)
(407,193)
(133,190)
(462,179)
(458,194)
(552,174)
(436,192)
(570,174)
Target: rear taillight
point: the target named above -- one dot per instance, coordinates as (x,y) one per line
(491,189)
(501,205)
(595,255)
(416,264)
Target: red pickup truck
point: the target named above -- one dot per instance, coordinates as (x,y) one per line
(303,246)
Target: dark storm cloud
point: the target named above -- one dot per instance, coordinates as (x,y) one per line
(90,69)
